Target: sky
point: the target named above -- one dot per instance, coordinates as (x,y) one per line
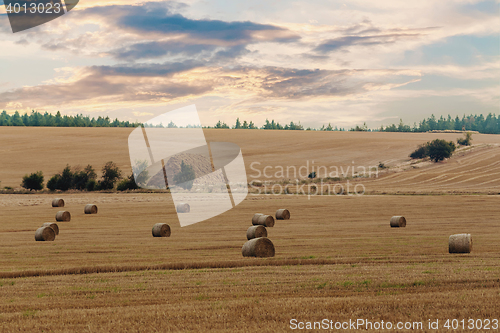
(315,61)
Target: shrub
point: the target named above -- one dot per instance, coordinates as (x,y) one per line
(65,181)
(185,177)
(81,178)
(466,140)
(33,181)
(110,175)
(139,169)
(127,184)
(441,149)
(312,175)
(52,183)
(91,185)
(421,152)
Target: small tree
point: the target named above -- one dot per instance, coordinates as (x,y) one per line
(65,180)
(52,183)
(81,178)
(466,140)
(33,181)
(139,170)
(127,184)
(441,149)
(110,175)
(91,185)
(185,177)
(421,152)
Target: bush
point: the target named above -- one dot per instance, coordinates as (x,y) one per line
(441,149)
(437,150)
(52,183)
(33,181)
(65,181)
(91,185)
(185,177)
(312,175)
(127,184)
(421,152)
(139,169)
(81,178)
(466,141)
(110,175)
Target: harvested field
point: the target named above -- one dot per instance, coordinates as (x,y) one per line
(336,258)
(349,260)
(82,146)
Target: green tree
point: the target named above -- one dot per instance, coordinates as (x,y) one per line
(110,175)
(65,181)
(81,178)
(127,184)
(421,152)
(33,181)
(52,183)
(440,149)
(140,172)
(466,140)
(185,177)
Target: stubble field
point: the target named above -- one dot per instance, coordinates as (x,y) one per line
(336,258)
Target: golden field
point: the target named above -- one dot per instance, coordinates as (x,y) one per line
(336,258)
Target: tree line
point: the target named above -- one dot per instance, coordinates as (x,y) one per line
(489,124)
(81,179)
(47,119)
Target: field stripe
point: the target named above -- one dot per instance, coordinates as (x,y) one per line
(205,265)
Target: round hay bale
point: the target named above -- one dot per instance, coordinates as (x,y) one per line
(282,214)
(255,218)
(258,247)
(183,208)
(460,243)
(54,227)
(398,222)
(63,216)
(161,230)
(45,234)
(58,202)
(256,231)
(265,220)
(90,209)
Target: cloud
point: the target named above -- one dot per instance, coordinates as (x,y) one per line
(159,20)
(172,82)
(108,84)
(155,31)
(339,43)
